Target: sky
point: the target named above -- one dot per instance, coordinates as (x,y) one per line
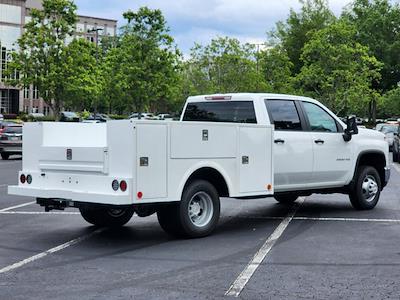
(199,21)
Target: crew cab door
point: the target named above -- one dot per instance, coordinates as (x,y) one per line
(293,149)
(332,155)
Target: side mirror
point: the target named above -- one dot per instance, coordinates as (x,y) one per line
(351,128)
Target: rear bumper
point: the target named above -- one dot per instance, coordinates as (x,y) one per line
(88,197)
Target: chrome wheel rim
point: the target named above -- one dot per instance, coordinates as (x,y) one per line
(115,213)
(369,188)
(200,209)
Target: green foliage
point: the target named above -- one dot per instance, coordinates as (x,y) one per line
(276,68)
(298,29)
(390,105)
(223,66)
(143,68)
(338,70)
(378,27)
(81,75)
(40,60)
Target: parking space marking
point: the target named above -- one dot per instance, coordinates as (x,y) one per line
(17,206)
(38,213)
(330,219)
(238,285)
(397,167)
(47,252)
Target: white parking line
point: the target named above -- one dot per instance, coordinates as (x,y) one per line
(331,219)
(17,206)
(50,251)
(238,285)
(38,213)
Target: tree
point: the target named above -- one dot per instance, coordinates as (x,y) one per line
(146,61)
(223,66)
(338,70)
(391,103)
(276,67)
(378,27)
(298,29)
(83,80)
(39,59)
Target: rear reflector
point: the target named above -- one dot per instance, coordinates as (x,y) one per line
(22,178)
(139,195)
(29,179)
(219,98)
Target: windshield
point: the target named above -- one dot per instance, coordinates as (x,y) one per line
(389,128)
(15,130)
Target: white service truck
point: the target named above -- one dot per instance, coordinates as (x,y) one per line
(232,145)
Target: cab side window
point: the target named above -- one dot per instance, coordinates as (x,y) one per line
(319,119)
(284,115)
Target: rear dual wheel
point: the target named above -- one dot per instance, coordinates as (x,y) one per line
(5,156)
(107,217)
(196,215)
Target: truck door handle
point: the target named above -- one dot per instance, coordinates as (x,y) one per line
(279,141)
(319,141)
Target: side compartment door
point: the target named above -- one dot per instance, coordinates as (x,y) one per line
(332,155)
(255,160)
(293,152)
(151,160)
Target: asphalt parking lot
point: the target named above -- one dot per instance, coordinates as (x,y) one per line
(320,248)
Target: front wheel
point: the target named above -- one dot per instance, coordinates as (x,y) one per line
(196,215)
(367,188)
(107,217)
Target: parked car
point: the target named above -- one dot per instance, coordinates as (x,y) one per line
(11,141)
(165,117)
(99,117)
(36,115)
(143,116)
(388,130)
(396,145)
(69,116)
(4,124)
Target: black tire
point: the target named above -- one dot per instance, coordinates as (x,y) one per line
(196,215)
(5,156)
(366,190)
(286,199)
(105,217)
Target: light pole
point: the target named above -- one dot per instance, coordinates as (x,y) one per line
(96,31)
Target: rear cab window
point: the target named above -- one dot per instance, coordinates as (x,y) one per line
(221,111)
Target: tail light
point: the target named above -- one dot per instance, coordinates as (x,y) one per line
(123,186)
(115,185)
(22,178)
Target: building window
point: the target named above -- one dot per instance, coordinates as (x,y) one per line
(9,36)
(35,93)
(10,14)
(26,92)
(80,27)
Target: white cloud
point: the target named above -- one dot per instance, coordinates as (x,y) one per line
(200,21)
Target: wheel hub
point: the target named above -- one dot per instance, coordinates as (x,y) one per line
(200,209)
(369,188)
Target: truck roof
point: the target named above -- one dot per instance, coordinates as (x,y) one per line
(246,96)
